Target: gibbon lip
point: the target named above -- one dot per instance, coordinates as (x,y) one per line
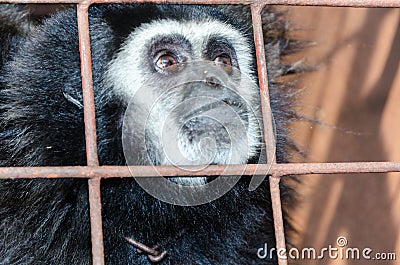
(218,103)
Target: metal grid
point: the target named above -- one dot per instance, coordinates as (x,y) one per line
(95,173)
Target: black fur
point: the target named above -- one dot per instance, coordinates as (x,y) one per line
(46,221)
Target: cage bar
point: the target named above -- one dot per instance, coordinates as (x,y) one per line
(87,85)
(96,228)
(341,3)
(248,170)
(269,133)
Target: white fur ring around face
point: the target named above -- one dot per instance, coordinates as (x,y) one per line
(200,115)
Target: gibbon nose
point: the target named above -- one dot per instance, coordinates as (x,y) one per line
(213,82)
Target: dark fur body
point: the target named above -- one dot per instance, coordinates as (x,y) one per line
(47,221)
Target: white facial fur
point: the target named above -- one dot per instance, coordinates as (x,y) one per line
(126,74)
(126,70)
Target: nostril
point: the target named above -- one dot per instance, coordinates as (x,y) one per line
(212,82)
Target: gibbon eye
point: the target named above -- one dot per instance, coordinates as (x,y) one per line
(224,61)
(166,62)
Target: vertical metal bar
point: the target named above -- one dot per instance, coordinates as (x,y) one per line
(278,218)
(269,134)
(96,222)
(268,123)
(90,133)
(87,85)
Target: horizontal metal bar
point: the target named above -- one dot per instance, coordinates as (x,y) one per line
(41,1)
(342,3)
(211,170)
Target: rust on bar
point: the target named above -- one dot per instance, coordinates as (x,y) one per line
(333,3)
(278,218)
(90,133)
(40,1)
(96,228)
(87,85)
(342,3)
(269,133)
(195,171)
(184,2)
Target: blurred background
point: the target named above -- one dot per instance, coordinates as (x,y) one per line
(355,94)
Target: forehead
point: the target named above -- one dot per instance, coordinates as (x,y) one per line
(197,33)
(193,31)
(129,67)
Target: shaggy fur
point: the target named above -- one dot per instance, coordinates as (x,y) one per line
(41,123)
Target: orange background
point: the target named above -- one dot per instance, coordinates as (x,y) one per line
(355,94)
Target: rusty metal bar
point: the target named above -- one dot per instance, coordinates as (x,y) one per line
(278,218)
(269,133)
(333,3)
(96,224)
(87,85)
(342,3)
(186,2)
(90,133)
(195,171)
(40,1)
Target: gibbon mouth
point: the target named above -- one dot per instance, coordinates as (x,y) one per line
(189,181)
(234,103)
